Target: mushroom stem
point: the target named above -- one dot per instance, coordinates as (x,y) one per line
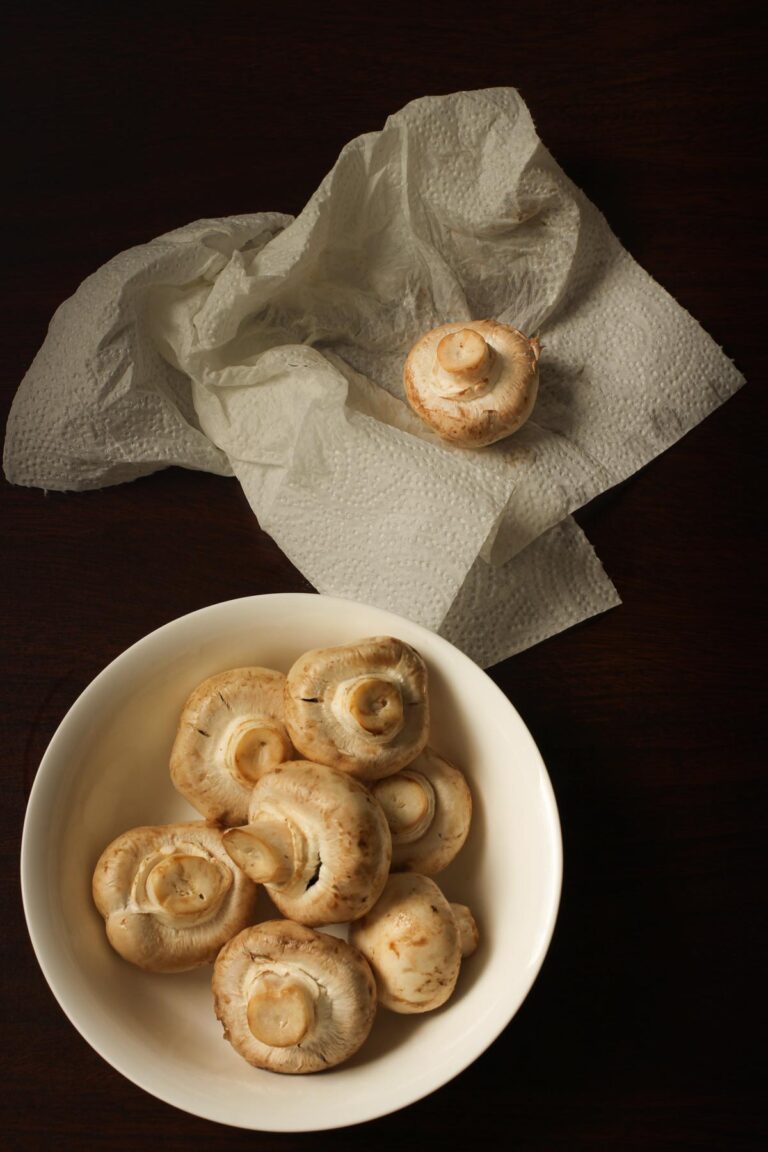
(265,850)
(280,1009)
(469,937)
(182,887)
(408,800)
(371,703)
(255,745)
(462,359)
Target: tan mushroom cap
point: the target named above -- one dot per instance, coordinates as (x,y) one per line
(473,382)
(317,840)
(171,896)
(412,938)
(359,707)
(292,999)
(230,733)
(428,806)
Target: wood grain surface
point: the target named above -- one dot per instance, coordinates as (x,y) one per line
(645,1026)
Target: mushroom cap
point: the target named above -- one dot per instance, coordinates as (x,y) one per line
(341,844)
(428,806)
(292,999)
(473,382)
(231,732)
(412,942)
(359,707)
(171,896)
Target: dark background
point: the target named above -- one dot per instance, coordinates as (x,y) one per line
(645,1025)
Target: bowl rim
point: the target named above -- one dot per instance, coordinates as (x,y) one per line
(44,781)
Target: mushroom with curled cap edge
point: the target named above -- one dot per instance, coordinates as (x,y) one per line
(428,807)
(473,382)
(414,940)
(359,707)
(317,840)
(292,999)
(230,733)
(171,895)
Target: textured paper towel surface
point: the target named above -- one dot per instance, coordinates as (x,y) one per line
(100,404)
(274,348)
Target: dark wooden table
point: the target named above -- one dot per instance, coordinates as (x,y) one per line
(644,1027)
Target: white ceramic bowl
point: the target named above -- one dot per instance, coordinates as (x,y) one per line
(106,770)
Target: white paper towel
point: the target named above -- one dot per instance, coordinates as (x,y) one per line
(274,348)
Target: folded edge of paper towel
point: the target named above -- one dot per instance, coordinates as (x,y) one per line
(555,582)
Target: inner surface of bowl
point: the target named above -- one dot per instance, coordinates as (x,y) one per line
(106,770)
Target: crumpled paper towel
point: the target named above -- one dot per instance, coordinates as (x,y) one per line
(273,348)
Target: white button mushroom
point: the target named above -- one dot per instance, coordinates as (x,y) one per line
(414,941)
(230,733)
(317,840)
(292,999)
(428,807)
(473,382)
(171,896)
(359,707)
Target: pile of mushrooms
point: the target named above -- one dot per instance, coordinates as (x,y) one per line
(351,834)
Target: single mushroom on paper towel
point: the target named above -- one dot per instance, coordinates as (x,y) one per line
(359,707)
(292,999)
(414,941)
(428,807)
(473,382)
(230,733)
(317,840)
(171,896)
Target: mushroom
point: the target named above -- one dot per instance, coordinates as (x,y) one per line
(414,941)
(317,840)
(359,707)
(292,999)
(230,733)
(428,807)
(171,896)
(473,382)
